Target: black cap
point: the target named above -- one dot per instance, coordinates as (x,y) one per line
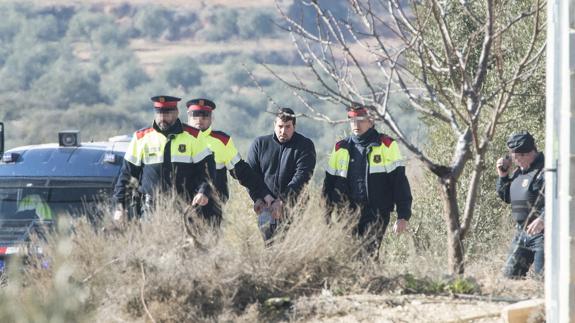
(165,103)
(200,105)
(521,142)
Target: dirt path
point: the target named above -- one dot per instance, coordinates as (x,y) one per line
(391,308)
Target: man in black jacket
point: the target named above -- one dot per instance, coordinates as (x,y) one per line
(285,161)
(366,173)
(524,190)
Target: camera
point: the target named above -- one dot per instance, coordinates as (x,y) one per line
(504,168)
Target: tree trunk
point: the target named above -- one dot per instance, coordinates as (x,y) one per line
(451,214)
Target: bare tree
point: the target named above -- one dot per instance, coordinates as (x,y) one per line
(460,64)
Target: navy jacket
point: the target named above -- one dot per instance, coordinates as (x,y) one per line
(285,168)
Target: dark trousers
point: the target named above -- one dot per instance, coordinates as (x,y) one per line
(371,227)
(525,250)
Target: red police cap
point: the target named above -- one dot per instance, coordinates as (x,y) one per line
(165,103)
(200,105)
(357,111)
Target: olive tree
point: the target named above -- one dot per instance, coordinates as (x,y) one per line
(460,64)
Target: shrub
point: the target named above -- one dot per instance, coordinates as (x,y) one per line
(153,21)
(222,24)
(68,83)
(26,64)
(85,22)
(182,72)
(123,78)
(255,24)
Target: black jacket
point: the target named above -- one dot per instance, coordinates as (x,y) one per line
(285,168)
(386,191)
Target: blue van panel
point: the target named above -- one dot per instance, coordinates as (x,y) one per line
(62,162)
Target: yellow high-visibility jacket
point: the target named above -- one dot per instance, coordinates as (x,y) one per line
(159,162)
(386,184)
(227,157)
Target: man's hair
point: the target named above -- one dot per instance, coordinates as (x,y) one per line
(286,114)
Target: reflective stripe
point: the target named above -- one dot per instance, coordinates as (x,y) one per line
(148,160)
(385,168)
(201,155)
(220,165)
(182,159)
(337,172)
(232,163)
(133,159)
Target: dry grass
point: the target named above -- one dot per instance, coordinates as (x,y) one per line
(152,271)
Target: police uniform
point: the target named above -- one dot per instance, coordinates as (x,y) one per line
(161,159)
(226,157)
(524,190)
(367,173)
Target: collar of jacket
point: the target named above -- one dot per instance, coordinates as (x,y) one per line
(175,129)
(367,139)
(206,133)
(374,140)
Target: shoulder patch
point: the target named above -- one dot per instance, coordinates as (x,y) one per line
(386,140)
(140,133)
(340,144)
(191,130)
(222,136)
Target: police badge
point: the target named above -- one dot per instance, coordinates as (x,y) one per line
(377,159)
(182,148)
(525,183)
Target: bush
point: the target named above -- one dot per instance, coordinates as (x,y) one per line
(11,23)
(85,22)
(112,57)
(182,72)
(222,24)
(67,83)
(256,24)
(43,28)
(110,35)
(26,64)
(234,71)
(123,78)
(153,21)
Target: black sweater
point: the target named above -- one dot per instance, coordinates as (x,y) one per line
(284,167)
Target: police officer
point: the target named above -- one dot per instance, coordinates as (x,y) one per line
(167,154)
(524,190)
(366,173)
(227,157)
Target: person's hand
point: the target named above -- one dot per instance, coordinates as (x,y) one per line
(259,206)
(119,213)
(504,163)
(200,199)
(400,226)
(277,209)
(269,200)
(536,226)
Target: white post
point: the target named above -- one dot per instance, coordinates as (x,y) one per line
(560,162)
(553,97)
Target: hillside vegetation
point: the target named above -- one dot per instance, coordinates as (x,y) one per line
(93,65)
